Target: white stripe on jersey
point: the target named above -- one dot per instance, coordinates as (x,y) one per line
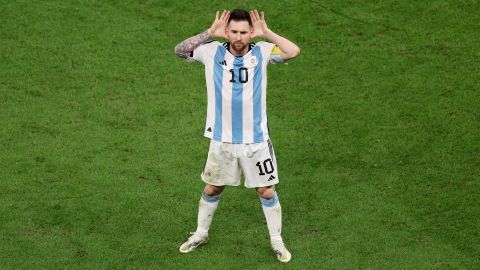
(248,108)
(264,104)
(210,101)
(227,102)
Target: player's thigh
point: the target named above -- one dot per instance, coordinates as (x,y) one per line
(221,167)
(259,165)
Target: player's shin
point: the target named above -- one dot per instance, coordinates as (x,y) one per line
(273,215)
(206,210)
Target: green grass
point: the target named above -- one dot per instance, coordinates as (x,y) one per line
(376,128)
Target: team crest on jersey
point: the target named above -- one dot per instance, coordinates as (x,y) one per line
(253,61)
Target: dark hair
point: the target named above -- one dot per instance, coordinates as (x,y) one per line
(240,15)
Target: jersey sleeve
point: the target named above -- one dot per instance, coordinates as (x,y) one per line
(275,57)
(271,52)
(202,52)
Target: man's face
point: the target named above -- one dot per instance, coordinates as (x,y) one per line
(239,34)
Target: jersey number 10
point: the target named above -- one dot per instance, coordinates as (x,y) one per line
(243,76)
(267,167)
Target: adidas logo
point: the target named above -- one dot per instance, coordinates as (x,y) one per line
(271,178)
(223,63)
(209,129)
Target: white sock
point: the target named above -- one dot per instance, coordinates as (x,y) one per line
(206,209)
(273,215)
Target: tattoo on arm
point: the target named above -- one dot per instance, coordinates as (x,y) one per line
(184,49)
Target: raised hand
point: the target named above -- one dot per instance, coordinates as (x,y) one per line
(259,25)
(219,25)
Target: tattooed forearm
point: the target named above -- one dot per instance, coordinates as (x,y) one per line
(184,48)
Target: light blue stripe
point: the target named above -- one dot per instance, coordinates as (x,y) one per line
(237,102)
(211,199)
(217,80)
(257,96)
(270,202)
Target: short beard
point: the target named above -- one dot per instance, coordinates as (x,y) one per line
(241,49)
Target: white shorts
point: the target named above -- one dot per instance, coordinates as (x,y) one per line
(226,161)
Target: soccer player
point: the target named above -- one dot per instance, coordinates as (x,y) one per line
(236,78)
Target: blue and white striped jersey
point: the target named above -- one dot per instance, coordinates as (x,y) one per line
(236,92)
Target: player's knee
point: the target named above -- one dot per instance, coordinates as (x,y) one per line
(266,192)
(211,190)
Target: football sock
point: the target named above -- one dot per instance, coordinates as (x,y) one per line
(206,209)
(273,215)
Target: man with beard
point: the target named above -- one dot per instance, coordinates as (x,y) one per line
(236,78)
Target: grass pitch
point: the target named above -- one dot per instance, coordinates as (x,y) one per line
(376,129)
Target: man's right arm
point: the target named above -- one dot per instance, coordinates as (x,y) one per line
(185,48)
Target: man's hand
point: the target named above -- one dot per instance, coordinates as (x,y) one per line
(288,49)
(218,28)
(185,48)
(260,28)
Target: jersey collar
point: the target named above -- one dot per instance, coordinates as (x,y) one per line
(227,46)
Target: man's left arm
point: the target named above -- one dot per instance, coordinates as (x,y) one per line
(288,49)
